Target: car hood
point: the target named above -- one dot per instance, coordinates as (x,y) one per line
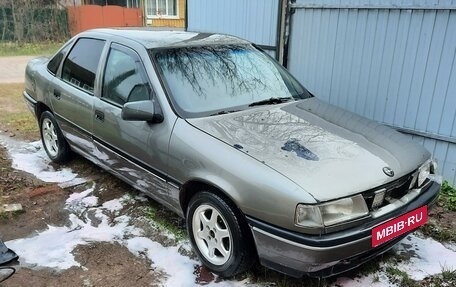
(329,152)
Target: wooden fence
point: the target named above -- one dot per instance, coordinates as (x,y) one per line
(86,17)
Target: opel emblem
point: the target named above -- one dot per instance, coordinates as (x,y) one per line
(388,171)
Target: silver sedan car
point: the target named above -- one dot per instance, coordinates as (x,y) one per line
(217,131)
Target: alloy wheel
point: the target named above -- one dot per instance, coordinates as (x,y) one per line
(212,234)
(50,138)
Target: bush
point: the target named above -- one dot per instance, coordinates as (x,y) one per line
(448,194)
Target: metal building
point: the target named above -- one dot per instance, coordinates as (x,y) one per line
(391,61)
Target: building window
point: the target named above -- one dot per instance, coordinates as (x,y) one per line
(133,3)
(161,8)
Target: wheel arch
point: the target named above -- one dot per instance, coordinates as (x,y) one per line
(193,186)
(40,108)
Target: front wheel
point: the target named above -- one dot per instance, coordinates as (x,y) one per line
(219,234)
(53,140)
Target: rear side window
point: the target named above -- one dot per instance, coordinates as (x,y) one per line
(54,63)
(80,67)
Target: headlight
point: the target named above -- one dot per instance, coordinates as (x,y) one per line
(344,210)
(331,213)
(423,173)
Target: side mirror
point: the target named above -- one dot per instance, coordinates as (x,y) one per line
(146,111)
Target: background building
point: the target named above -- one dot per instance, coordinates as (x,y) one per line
(156,13)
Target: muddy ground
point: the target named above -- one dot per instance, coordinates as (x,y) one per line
(107,264)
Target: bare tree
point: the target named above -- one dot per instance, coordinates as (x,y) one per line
(5,23)
(32,20)
(17,11)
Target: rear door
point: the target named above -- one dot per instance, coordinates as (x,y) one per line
(72,94)
(136,150)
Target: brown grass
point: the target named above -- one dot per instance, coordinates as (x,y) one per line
(15,118)
(29,49)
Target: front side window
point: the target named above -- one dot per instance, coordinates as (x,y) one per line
(80,67)
(216,79)
(124,78)
(161,8)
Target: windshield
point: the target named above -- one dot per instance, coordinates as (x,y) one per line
(220,79)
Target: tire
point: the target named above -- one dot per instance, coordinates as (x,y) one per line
(224,242)
(54,142)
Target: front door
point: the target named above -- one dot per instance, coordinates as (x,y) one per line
(135,150)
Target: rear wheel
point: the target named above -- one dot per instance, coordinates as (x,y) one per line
(219,234)
(53,140)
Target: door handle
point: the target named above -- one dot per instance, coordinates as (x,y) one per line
(57,94)
(99,115)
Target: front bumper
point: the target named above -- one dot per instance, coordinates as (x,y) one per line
(326,255)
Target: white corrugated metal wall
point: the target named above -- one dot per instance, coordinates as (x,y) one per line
(393,62)
(254,20)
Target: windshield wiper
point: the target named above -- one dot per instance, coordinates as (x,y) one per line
(271,101)
(223,113)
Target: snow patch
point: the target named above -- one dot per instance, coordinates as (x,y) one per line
(179,268)
(113,205)
(378,279)
(79,201)
(141,198)
(53,247)
(31,158)
(90,201)
(78,196)
(428,257)
(72,183)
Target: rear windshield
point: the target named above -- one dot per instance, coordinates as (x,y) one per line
(217,79)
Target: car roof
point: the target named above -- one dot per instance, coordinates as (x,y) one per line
(153,39)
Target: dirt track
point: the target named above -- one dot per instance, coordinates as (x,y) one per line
(12,69)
